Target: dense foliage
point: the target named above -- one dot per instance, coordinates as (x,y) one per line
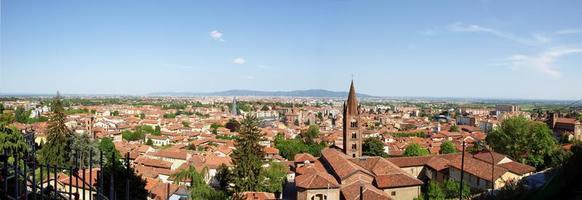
(199,190)
(411,134)
(454,128)
(526,141)
(232,125)
(289,147)
(448,147)
(116,169)
(415,150)
(56,150)
(273,177)
(373,147)
(248,157)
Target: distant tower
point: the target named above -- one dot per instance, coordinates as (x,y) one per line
(351,121)
(234,110)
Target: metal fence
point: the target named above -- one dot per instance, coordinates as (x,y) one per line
(23,177)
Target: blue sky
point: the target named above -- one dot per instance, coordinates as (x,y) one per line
(496,49)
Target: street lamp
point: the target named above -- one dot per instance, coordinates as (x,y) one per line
(486,146)
(462,172)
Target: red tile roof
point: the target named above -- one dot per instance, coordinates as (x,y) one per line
(352,192)
(396,180)
(316,180)
(340,164)
(518,168)
(302,157)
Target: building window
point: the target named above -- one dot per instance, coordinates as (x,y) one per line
(354,124)
(354,135)
(353,155)
(393,193)
(353,146)
(319,197)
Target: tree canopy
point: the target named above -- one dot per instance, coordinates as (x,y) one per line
(199,190)
(248,156)
(526,141)
(373,147)
(57,147)
(448,147)
(232,125)
(311,134)
(415,150)
(454,128)
(119,171)
(273,177)
(434,191)
(289,147)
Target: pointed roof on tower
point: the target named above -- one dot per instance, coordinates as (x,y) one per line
(352,103)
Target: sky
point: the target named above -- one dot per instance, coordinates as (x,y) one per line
(488,49)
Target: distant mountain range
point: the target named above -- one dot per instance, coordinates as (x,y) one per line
(293,93)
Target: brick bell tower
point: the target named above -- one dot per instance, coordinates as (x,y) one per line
(352,134)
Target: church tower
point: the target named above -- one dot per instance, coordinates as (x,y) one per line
(352,134)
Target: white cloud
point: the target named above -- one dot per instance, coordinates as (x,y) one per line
(569,31)
(216,35)
(239,60)
(543,62)
(535,39)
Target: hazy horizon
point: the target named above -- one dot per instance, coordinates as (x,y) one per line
(459,49)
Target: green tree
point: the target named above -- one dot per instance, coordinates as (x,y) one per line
(373,147)
(454,128)
(142,116)
(451,189)
(214,128)
(12,141)
(223,176)
(107,148)
(81,148)
(448,147)
(199,190)
(434,191)
(149,142)
(133,136)
(1,108)
(273,177)
(288,148)
(232,125)
(186,124)
(119,172)
(157,130)
(115,113)
(311,134)
(523,140)
(21,115)
(415,150)
(248,156)
(6,118)
(57,147)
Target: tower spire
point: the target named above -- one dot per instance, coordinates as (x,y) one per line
(352,136)
(352,102)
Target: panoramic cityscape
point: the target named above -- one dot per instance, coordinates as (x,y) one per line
(306,100)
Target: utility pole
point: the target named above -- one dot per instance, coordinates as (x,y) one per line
(462,171)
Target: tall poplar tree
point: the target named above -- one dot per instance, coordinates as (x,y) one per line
(248,157)
(58,137)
